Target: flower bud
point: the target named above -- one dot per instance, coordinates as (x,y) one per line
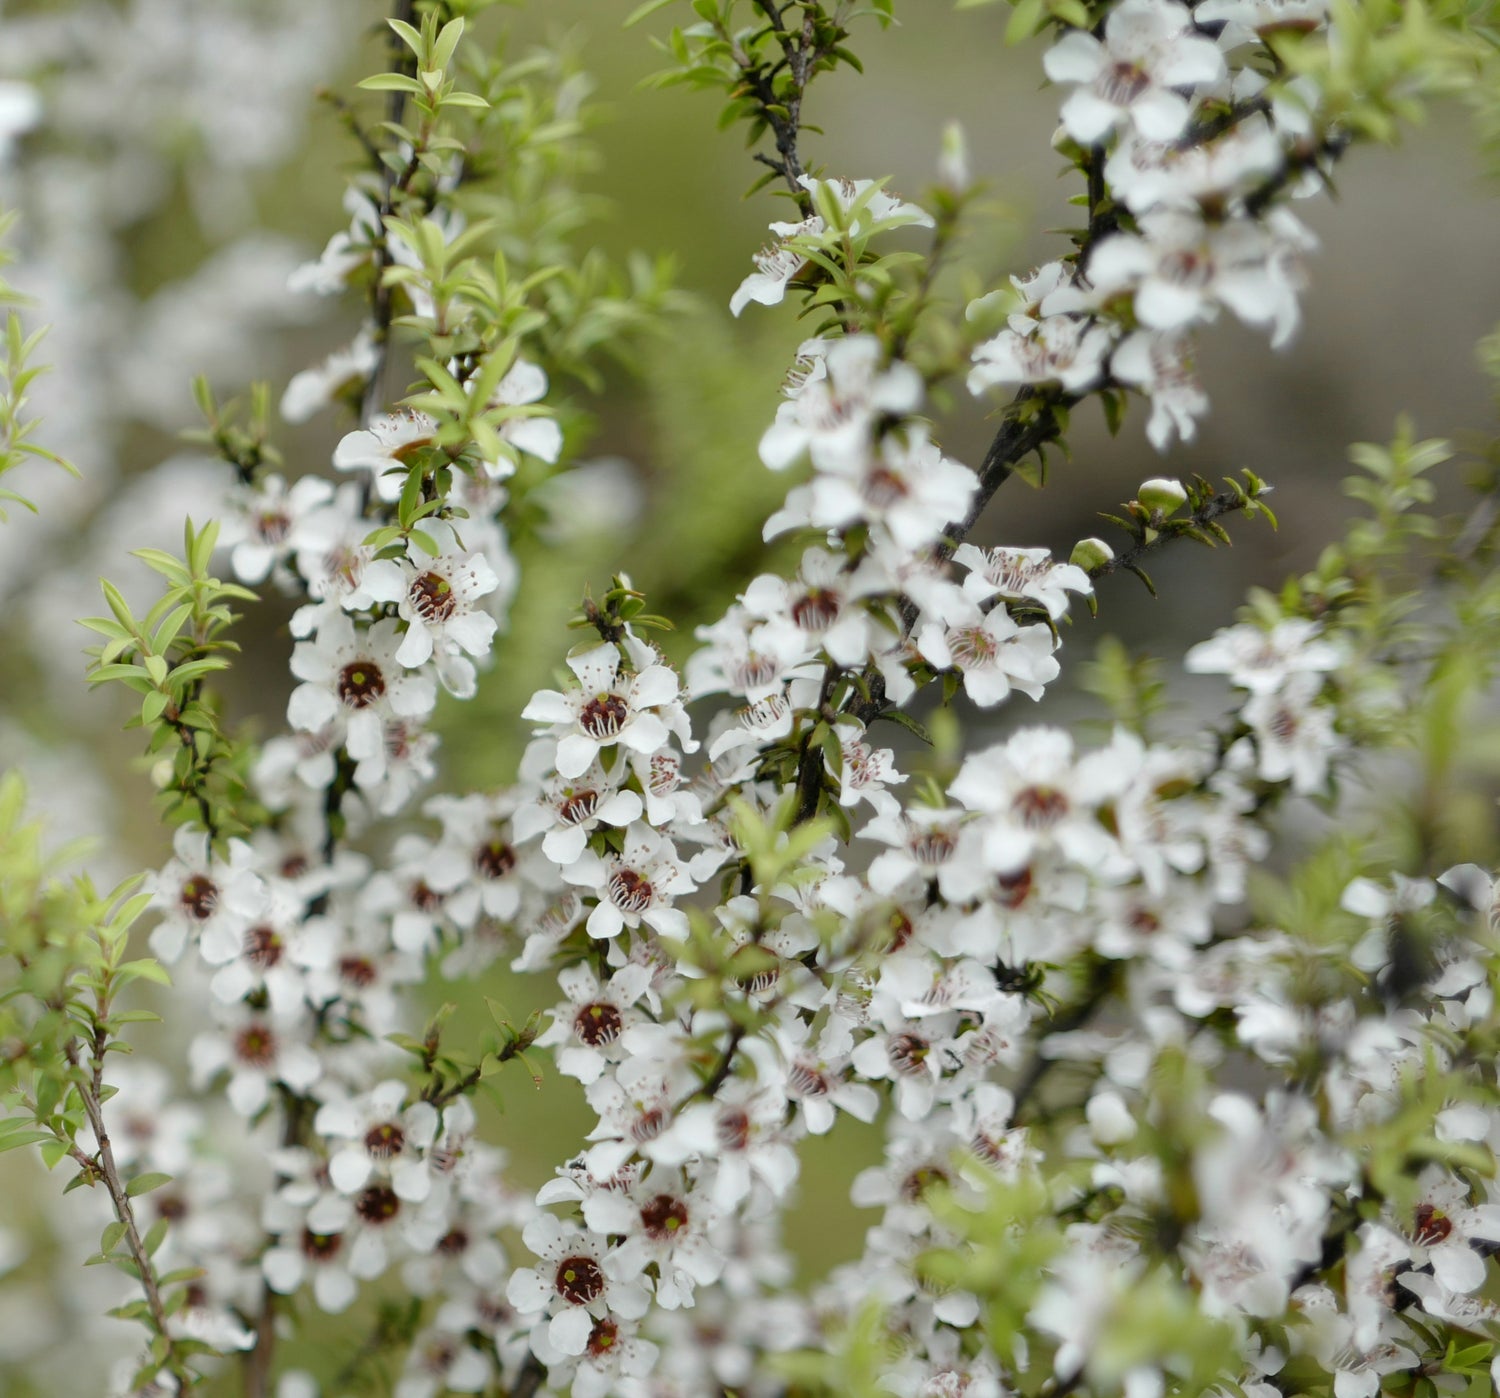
(1089,554)
(1160,495)
(161,773)
(1109,1118)
(953,160)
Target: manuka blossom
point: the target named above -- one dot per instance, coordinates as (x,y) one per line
(1149,49)
(441,606)
(831,417)
(993,654)
(352,680)
(778,265)
(640,884)
(384,449)
(570,1287)
(376,1134)
(1064,349)
(637,709)
(1021,575)
(259,534)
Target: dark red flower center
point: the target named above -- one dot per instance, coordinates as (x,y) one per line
(360,684)
(579,1280)
(598,1023)
(664,1217)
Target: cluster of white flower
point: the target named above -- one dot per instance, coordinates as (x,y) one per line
(1170,108)
(731,976)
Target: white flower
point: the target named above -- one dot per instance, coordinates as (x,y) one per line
(667,1225)
(258,530)
(1180,268)
(1262,661)
(905,486)
(279,949)
(818,608)
(607,708)
(1020,575)
(571,1287)
(993,653)
(639,884)
(440,1361)
(205,898)
(1064,349)
(337,565)
(256,1052)
(1150,47)
(525,383)
(832,416)
(381,1138)
(1160,364)
(385,448)
(312,390)
(585,1033)
(1444,1226)
(354,679)
(348,249)
(778,264)
(1294,735)
(299,1253)
(441,609)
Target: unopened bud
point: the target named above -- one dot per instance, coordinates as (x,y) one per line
(161,773)
(953,159)
(1089,554)
(1160,495)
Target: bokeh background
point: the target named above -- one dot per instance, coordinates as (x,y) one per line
(182,168)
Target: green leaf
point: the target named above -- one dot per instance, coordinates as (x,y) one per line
(144,1184)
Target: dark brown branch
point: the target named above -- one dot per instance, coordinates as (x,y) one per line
(1227,502)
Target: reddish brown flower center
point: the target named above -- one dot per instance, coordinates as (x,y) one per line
(432,597)
(603,716)
(630,892)
(199,896)
(807,1081)
(933,845)
(1433,1225)
(1012,890)
(1040,806)
(170,1206)
(649,1124)
(756,670)
(579,1280)
(357,971)
(578,806)
(321,1247)
(816,610)
(598,1023)
(255,1045)
(360,684)
(377,1204)
(916,1185)
(884,488)
(908,1054)
(733,1129)
(263,946)
(425,898)
(272,525)
(453,1243)
(494,858)
(385,1140)
(603,1338)
(1121,83)
(664,1217)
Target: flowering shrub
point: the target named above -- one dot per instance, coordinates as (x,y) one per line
(1182,1039)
